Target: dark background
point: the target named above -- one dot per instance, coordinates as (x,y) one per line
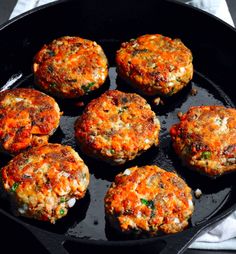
(6,7)
(16,239)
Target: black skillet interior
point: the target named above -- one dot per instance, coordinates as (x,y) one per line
(109,23)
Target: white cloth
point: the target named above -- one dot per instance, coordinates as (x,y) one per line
(222,236)
(218,8)
(26,5)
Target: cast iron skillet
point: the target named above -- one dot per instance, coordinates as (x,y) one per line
(109,23)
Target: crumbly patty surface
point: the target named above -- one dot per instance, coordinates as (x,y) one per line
(70,67)
(205,139)
(148,200)
(116,127)
(27,118)
(45,181)
(155,64)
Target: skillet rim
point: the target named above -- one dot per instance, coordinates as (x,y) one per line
(198,228)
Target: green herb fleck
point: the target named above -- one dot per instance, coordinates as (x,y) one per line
(139,51)
(27,160)
(87,87)
(84,175)
(112,151)
(172,91)
(14,186)
(53,85)
(51,53)
(219,121)
(153,212)
(71,80)
(122,109)
(62,211)
(62,200)
(206,155)
(124,100)
(144,201)
(178,79)
(50,69)
(148,203)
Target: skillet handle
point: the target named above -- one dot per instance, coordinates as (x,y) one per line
(178,244)
(53,243)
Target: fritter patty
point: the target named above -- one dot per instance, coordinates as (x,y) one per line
(155,64)
(45,181)
(205,139)
(148,200)
(70,67)
(116,127)
(27,118)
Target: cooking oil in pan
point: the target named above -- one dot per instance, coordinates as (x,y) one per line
(87,219)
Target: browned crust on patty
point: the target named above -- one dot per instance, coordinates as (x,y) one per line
(70,67)
(155,64)
(45,181)
(148,200)
(116,127)
(205,139)
(27,118)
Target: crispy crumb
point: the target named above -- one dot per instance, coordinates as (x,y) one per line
(193,91)
(162,102)
(79,104)
(180,114)
(198,193)
(156,101)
